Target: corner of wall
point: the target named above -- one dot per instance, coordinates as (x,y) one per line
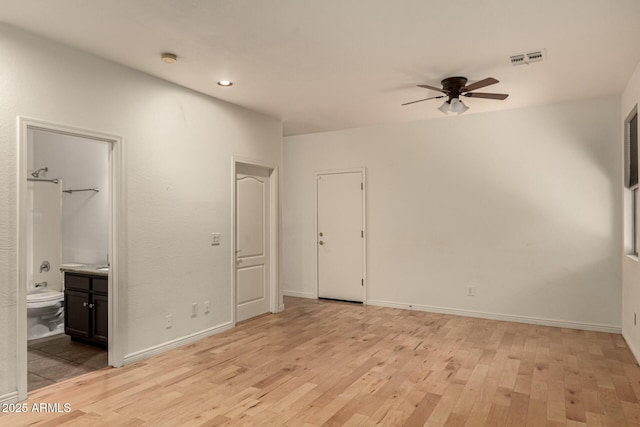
(630,267)
(631,345)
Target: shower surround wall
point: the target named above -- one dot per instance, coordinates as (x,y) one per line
(44,235)
(79,163)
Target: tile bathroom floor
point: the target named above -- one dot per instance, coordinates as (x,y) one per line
(57,358)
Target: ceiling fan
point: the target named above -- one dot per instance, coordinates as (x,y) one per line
(455,87)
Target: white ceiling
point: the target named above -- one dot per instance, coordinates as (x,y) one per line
(321,65)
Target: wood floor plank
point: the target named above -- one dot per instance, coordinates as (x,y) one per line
(536,413)
(329,363)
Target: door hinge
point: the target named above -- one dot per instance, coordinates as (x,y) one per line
(362,233)
(362,282)
(362,186)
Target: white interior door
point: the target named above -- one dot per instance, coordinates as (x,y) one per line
(340,236)
(252,241)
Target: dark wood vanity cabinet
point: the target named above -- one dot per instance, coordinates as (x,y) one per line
(100,319)
(86,312)
(76,314)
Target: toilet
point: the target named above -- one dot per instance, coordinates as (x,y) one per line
(45,314)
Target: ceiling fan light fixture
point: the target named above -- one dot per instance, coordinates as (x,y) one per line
(444,108)
(457,106)
(454,105)
(455,87)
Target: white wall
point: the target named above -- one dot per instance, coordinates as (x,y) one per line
(522,204)
(630,265)
(78,163)
(177,183)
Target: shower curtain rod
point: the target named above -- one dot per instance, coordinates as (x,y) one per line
(55,181)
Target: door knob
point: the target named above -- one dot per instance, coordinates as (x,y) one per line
(84,304)
(321,234)
(321,242)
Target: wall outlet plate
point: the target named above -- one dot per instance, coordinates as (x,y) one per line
(168,321)
(194,309)
(471,291)
(206,307)
(215,239)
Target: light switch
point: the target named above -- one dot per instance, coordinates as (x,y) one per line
(215,239)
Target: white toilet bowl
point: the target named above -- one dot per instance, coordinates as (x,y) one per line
(45,314)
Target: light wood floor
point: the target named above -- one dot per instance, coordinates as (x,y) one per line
(327,363)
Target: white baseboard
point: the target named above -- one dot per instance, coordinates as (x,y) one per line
(9,398)
(504,317)
(170,345)
(299,294)
(632,347)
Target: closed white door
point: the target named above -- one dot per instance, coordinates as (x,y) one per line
(340,236)
(252,241)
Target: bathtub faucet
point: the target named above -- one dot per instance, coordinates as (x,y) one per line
(40,285)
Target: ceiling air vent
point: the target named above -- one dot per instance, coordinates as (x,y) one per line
(517,59)
(529,57)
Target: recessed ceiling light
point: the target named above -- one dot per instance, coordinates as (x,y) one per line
(225,83)
(169,58)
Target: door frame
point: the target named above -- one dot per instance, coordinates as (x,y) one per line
(275,296)
(116,206)
(317,174)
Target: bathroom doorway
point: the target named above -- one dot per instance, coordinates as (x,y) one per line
(67,258)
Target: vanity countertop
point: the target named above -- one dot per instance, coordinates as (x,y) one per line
(85,268)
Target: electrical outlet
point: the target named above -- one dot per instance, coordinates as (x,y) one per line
(194,309)
(168,321)
(206,307)
(215,239)
(471,291)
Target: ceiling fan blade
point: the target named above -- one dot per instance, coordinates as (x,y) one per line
(477,85)
(439,89)
(425,99)
(500,96)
